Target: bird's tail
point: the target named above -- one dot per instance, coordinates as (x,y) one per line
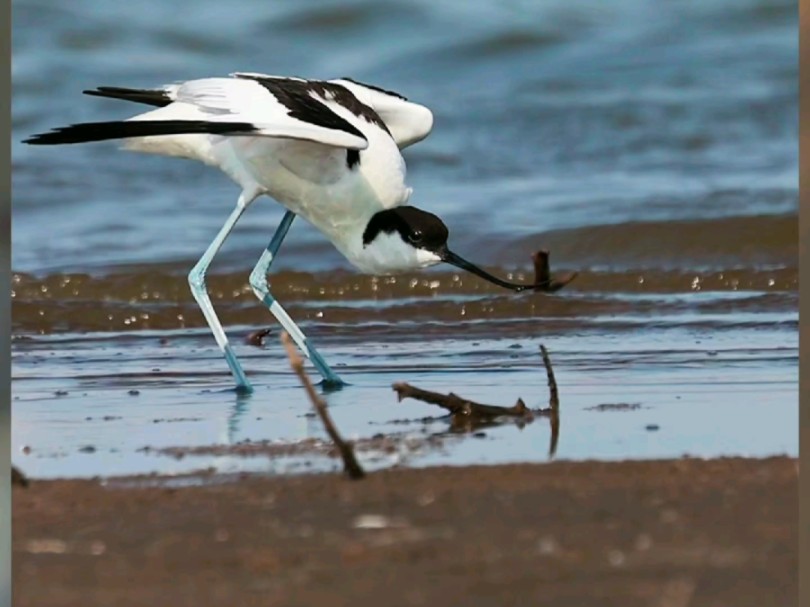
(123,129)
(156,97)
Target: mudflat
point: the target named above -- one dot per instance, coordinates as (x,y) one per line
(663,533)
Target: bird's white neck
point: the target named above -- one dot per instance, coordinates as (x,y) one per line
(386,254)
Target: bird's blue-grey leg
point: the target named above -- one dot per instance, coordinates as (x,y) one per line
(196,279)
(258,280)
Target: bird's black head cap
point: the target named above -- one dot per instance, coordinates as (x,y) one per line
(419,228)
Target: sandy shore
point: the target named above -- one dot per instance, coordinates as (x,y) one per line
(668,533)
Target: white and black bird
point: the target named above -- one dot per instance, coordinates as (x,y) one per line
(328,151)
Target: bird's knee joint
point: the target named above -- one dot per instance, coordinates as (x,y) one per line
(196,280)
(258,280)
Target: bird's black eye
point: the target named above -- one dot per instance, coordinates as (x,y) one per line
(416,237)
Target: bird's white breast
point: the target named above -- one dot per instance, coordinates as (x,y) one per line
(316,182)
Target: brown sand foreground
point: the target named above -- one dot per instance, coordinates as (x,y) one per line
(667,534)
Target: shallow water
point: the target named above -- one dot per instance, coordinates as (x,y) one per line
(654,151)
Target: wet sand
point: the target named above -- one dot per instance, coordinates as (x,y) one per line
(109,370)
(661,533)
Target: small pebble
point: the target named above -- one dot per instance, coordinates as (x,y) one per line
(547,546)
(616,558)
(373,521)
(652,427)
(97,548)
(46,546)
(669,516)
(643,542)
(425,499)
(221,535)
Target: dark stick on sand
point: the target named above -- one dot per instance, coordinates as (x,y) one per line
(350,464)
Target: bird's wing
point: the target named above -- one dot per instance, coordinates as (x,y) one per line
(297,115)
(408,122)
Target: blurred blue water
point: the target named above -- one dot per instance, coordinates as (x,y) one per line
(557,114)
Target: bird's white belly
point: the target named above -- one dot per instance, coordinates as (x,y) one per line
(315,181)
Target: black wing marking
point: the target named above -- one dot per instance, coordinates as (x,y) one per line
(122,129)
(407,122)
(376,88)
(296,96)
(158,98)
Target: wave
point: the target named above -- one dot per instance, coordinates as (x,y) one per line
(730,242)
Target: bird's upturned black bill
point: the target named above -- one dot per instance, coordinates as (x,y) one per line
(462,263)
(544,284)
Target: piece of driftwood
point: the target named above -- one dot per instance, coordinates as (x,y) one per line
(553,395)
(553,403)
(350,464)
(543,280)
(256,338)
(459,406)
(468,415)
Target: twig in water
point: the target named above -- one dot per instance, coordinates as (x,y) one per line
(553,403)
(461,406)
(542,274)
(350,463)
(553,398)
(256,338)
(469,414)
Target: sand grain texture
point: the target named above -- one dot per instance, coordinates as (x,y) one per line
(671,533)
